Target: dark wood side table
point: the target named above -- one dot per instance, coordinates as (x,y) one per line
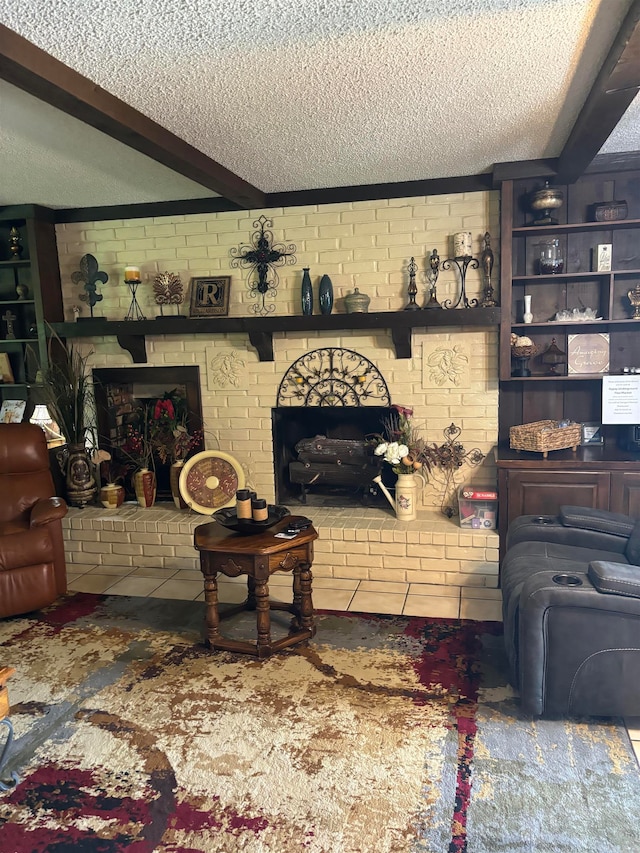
(257,556)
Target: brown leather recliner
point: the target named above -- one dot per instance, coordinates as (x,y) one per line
(32,563)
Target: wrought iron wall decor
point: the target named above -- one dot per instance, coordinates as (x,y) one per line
(90,275)
(486,261)
(262,257)
(333,376)
(451,456)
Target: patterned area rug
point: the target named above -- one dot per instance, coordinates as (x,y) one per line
(385,734)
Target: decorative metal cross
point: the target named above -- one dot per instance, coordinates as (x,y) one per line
(8,318)
(261,258)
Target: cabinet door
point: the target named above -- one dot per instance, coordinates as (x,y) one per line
(544,492)
(625,492)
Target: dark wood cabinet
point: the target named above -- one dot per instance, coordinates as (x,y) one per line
(607,476)
(593,477)
(30,294)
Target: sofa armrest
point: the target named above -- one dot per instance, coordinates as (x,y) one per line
(615,578)
(599,520)
(47,510)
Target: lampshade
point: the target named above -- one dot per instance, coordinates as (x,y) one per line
(43,419)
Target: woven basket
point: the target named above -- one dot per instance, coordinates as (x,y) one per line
(543,436)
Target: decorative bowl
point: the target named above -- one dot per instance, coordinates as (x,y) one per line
(247,526)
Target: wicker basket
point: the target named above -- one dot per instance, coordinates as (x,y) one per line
(543,436)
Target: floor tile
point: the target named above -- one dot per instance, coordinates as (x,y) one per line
(482,592)
(229,593)
(482,610)
(119,571)
(431,589)
(332,599)
(153,572)
(188,575)
(440,606)
(384,586)
(335,583)
(92,583)
(79,568)
(184,590)
(377,602)
(134,586)
(633,727)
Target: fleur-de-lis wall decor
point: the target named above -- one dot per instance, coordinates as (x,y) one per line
(90,274)
(262,257)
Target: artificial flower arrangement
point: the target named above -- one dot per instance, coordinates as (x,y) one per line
(109,472)
(170,439)
(402,447)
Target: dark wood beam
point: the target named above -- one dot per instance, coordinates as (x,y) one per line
(29,68)
(371,192)
(615,87)
(516,170)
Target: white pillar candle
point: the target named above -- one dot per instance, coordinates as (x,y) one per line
(132,274)
(462,244)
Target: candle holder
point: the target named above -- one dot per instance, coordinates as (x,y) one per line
(432,277)
(134,312)
(411,304)
(463,264)
(486,260)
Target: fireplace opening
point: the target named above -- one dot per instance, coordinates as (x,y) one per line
(338,472)
(121,393)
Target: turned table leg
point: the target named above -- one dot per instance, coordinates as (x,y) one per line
(263,618)
(306,606)
(212,617)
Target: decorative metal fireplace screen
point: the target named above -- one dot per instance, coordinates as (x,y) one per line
(329,404)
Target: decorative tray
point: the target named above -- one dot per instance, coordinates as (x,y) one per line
(247,526)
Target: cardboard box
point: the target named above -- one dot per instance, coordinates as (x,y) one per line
(478,508)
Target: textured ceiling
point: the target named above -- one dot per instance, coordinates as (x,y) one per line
(295,95)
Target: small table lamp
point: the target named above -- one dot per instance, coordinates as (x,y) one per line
(555,358)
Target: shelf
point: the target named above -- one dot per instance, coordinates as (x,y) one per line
(131,335)
(17,302)
(571,377)
(19,263)
(575,324)
(567,228)
(18,340)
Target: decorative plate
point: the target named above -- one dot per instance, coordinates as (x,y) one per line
(246,526)
(210,480)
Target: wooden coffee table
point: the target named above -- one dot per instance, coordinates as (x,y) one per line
(257,556)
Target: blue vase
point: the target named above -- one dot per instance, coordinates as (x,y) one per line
(306,293)
(325,295)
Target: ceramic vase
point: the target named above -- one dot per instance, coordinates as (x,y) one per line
(174,482)
(406,497)
(527,316)
(76,467)
(112,496)
(144,484)
(325,295)
(306,293)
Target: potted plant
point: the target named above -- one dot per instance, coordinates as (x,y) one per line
(138,449)
(171,440)
(111,494)
(67,391)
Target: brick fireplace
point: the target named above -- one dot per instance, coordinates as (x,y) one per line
(365,244)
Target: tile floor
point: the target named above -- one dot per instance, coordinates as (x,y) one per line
(406,599)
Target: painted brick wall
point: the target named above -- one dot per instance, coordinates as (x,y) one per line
(363,244)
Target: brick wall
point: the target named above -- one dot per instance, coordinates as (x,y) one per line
(363,244)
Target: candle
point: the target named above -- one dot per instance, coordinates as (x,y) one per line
(462,244)
(132,274)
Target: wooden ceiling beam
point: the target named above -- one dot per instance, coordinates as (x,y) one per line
(614,89)
(29,68)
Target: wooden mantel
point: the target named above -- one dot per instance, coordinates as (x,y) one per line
(132,335)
